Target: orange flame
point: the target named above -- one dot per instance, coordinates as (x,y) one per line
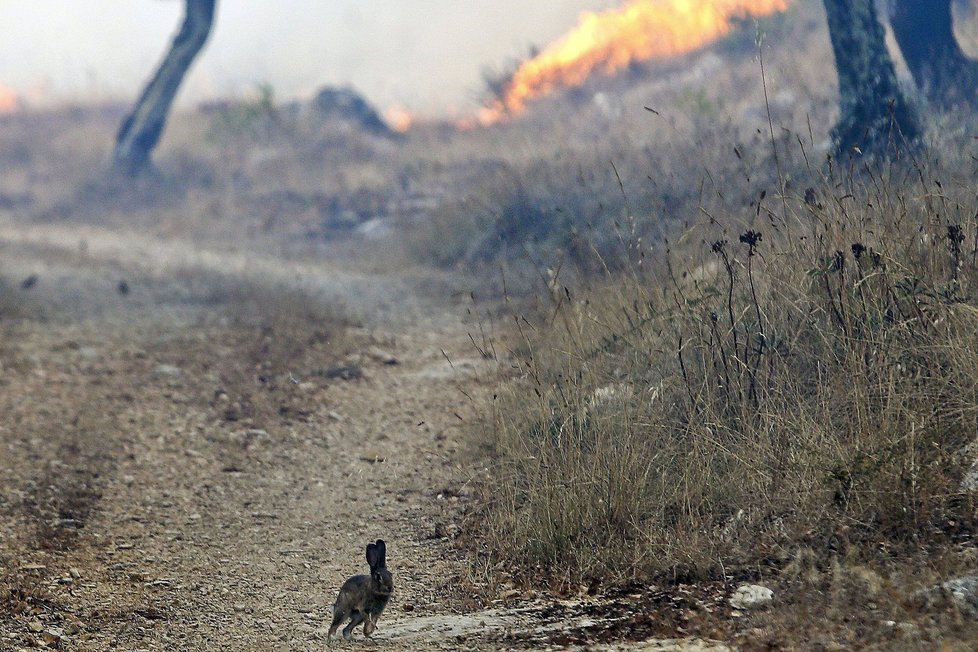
(9,101)
(609,40)
(399,118)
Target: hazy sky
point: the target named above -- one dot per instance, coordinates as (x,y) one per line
(426,55)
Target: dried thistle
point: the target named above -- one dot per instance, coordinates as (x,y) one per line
(751,238)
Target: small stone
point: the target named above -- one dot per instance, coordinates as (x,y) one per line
(908,629)
(35,626)
(341,372)
(962,592)
(164,371)
(335,416)
(88,353)
(382,356)
(751,596)
(255,435)
(53,636)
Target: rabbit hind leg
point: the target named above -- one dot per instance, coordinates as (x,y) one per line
(357,618)
(338,617)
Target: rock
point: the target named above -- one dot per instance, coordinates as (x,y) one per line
(254,435)
(74,627)
(373,457)
(380,355)
(346,105)
(335,416)
(341,372)
(969,456)
(510,594)
(751,596)
(376,228)
(88,353)
(35,626)
(961,593)
(53,636)
(908,630)
(31,567)
(166,371)
(969,482)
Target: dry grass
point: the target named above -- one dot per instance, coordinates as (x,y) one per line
(777,356)
(794,379)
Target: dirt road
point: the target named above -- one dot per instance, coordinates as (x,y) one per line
(185,472)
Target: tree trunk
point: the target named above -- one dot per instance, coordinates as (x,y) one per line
(924,30)
(876,117)
(142,128)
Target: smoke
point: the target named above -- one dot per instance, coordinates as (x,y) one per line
(426,55)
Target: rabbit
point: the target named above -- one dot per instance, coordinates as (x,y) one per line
(362,598)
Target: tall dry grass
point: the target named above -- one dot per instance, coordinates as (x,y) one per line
(803,372)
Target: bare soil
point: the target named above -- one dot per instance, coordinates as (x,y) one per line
(197,444)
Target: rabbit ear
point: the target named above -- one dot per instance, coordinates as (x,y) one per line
(373,556)
(381,553)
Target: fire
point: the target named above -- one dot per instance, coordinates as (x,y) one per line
(607,41)
(399,118)
(9,101)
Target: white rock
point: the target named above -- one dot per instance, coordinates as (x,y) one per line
(381,356)
(88,353)
(167,371)
(962,592)
(751,596)
(970,454)
(969,482)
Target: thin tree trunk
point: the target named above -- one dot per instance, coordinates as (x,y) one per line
(924,30)
(875,115)
(142,128)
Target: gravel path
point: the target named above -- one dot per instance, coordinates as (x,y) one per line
(178,476)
